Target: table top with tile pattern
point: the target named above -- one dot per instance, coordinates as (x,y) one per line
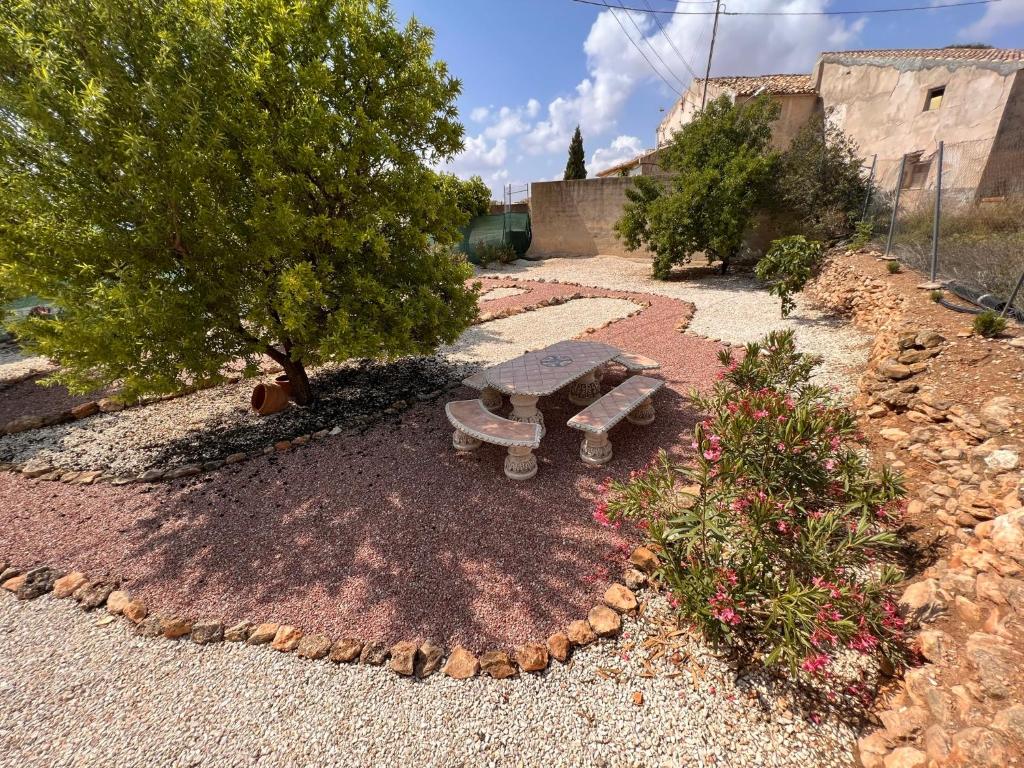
(548,370)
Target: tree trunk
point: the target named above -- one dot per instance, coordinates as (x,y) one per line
(302,393)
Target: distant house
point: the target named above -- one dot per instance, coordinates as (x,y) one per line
(896,103)
(795,94)
(644,164)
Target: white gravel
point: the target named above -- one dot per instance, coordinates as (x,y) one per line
(736,309)
(75,694)
(503,339)
(500,293)
(15,365)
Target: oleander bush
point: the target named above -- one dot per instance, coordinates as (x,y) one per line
(773,538)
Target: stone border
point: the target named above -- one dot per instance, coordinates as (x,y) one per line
(405,658)
(49,473)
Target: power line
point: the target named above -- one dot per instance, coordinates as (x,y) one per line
(866,12)
(641,50)
(669,41)
(653,49)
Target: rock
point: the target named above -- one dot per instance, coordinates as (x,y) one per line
(977,748)
(151,475)
(559,646)
(403,657)
(314,646)
(85,410)
(429,659)
(637,697)
(461,665)
(1010,720)
(922,602)
(23,424)
(239,633)
(36,469)
(893,369)
(94,595)
(893,434)
(346,650)
(905,757)
(36,583)
(287,638)
(207,631)
(374,653)
(966,610)
(1007,532)
(117,600)
(175,627)
(14,583)
(135,611)
(876,411)
(634,579)
(995,662)
(904,724)
(149,627)
(532,657)
(997,414)
(1002,460)
(65,586)
(928,339)
(620,598)
(236,458)
(644,559)
(987,587)
(605,621)
(9,573)
(913,356)
(110,405)
(186,471)
(263,634)
(937,646)
(497,664)
(580,633)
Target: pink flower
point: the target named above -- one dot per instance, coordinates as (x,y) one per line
(830,464)
(758,415)
(815,663)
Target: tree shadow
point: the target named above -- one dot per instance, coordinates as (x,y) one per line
(390,534)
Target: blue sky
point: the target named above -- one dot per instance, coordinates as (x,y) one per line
(532,69)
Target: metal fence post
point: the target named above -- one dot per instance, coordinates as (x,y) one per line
(935,224)
(867,194)
(895,205)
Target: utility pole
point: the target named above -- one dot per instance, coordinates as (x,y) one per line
(711,51)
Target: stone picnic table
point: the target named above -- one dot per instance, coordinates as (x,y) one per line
(527,378)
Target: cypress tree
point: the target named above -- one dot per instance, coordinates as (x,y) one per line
(574,168)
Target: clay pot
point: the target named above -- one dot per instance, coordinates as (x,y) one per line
(284,383)
(268,398)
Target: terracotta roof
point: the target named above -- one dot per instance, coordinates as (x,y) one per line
(948,54)
(744,86)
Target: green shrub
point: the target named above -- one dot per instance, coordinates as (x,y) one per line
(769,539)
(989,324)
(893,266)
(488,253)
(787,266)
(936,296)
(864,232)
(819,184)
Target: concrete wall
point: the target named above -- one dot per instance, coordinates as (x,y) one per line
(577,218)
(796,111)
(1004,172)
(880,105)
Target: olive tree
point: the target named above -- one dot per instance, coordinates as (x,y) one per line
(193,182)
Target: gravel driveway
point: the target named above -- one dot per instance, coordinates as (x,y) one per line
(735,309)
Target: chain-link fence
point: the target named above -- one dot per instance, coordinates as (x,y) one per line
(955,212)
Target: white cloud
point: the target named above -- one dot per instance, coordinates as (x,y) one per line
(508,122)
(622,148)
(997,16)
(479,114)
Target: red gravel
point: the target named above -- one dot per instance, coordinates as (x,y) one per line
(387,535)
(27,398)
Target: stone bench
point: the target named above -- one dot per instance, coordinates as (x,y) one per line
(630,400)
(474,424)
(636,363)
(489,396)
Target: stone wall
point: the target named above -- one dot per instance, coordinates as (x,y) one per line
(577,218)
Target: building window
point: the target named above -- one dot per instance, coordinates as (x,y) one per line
(934,100)
(916,170)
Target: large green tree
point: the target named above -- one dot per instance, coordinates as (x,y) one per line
(574,166)
(198,181)
(721,165)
